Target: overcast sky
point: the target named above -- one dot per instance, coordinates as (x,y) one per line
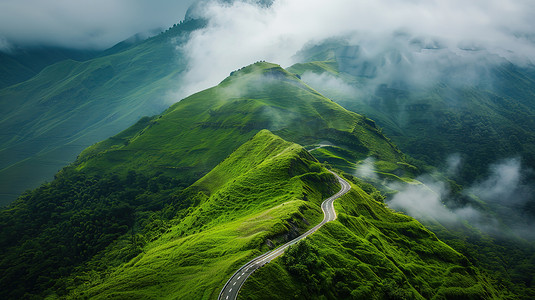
(84,23)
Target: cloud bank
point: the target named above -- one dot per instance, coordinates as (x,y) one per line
(241,33)
(505,191)
(504,185)
(83,23)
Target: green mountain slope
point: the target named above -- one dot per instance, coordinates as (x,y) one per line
(252,202)
(20,64)
(370,252)
(247,204)
(190,138)
(123,192)
(484,120)
(70,105)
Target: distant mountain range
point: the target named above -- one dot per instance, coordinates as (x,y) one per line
(48,119)
(20,64)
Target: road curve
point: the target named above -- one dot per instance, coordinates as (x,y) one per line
(233,285)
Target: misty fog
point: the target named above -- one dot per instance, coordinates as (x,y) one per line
(458,31)
(505,190)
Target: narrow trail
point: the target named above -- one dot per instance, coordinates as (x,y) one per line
(234,284)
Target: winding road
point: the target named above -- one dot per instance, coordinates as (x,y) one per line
(233,285)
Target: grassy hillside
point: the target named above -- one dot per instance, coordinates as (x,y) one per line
(265,192)
(128,190)
(195,134)
(252,202)
(48,119)
(484,120)
(369,252)
(87,226)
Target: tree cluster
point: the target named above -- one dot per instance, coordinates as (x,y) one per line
(49,232)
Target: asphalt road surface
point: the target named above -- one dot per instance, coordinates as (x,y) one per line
(233,285)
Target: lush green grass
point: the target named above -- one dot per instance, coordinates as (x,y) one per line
(189,139)
(369,252)
(249,203)
(146,168)
(196,266)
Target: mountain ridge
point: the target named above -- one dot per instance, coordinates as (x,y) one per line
(283,105)
(137,181)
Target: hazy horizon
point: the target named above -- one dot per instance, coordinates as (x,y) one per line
(82,24)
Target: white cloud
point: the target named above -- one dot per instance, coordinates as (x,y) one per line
(366,169)
(504,190)
(504,185)
(240,33)
(423,201)
(5,46)
(453,164)
(328,84)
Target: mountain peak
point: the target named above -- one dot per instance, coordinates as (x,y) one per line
(259,68)
(195,134)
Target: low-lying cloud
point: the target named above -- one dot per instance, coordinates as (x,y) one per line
(328,85)
(242,32)
(453,164)
(505,191)
(425,201)
(366,169)
(5,46)
(504,185)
